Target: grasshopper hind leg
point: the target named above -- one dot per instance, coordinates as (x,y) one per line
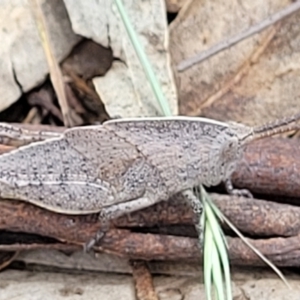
(120,209)
(197,208)
(117,210)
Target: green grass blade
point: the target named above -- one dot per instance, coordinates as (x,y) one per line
(217,274)
(144,60)
(208,261)
(219,243)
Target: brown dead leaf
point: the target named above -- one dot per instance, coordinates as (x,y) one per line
(44,99)
(253,81)
(88,59)
(173,6)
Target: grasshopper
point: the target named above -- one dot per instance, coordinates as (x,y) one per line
(125,165)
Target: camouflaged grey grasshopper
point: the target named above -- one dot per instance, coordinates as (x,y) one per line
(125,165)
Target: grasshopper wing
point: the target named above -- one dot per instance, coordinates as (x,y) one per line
(52,174)
(115,160)
(184,150)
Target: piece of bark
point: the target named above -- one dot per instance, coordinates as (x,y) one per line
(6,257)
(284,252)
(143,281)
(251,216)
(270,166)
(37,246)
(259,217)
(22,217)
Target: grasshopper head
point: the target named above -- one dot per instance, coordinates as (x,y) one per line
(227,150)
(243,133)
(237,136)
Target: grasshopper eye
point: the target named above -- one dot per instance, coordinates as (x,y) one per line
(229,151)
(230,155)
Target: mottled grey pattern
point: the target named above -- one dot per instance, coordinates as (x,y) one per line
(123,165)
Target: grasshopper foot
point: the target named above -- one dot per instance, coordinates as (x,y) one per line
(98,237)
(194,202)
(232,191)
(93,241)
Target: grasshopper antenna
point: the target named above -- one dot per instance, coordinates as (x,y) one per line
(279,126)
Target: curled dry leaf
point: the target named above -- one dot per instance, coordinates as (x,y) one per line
(253,81)
(88,59)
